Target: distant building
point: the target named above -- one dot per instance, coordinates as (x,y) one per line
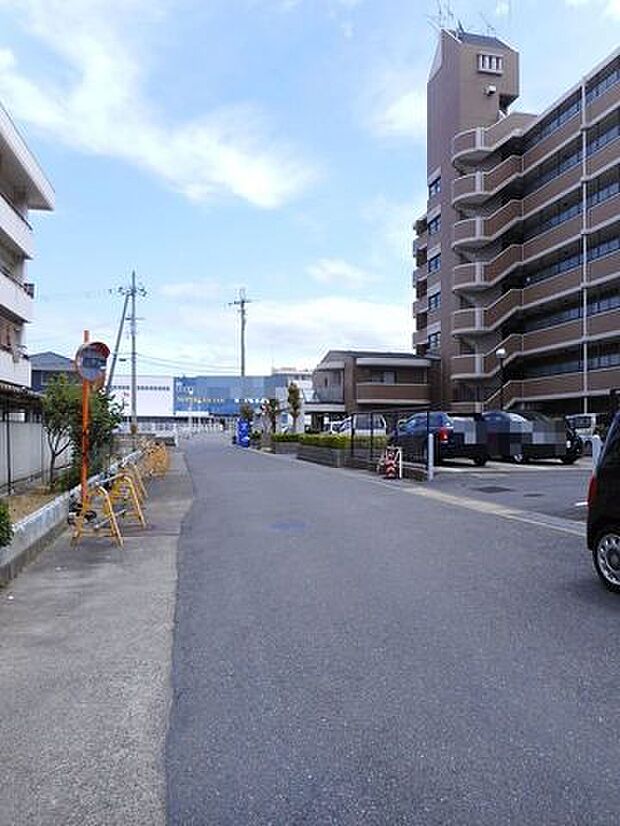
(351,381)
(48,365)
(23,186)
(517,255)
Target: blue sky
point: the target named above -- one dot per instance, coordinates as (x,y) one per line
(273,144)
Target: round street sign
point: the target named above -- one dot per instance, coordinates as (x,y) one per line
(90,361)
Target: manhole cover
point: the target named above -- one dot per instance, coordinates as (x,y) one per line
(493,489)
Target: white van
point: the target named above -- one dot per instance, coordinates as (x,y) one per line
(584,424)
(362,424)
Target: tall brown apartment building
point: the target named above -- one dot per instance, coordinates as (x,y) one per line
(517,273)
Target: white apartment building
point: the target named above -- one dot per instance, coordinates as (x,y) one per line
(23,186)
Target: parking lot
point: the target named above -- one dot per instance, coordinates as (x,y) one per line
(547,487)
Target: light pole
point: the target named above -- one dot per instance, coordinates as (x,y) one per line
(501,355)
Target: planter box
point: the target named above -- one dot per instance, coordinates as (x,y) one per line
(286,447)
(330,456)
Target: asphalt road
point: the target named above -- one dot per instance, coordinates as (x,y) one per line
(545,487)
(348,651)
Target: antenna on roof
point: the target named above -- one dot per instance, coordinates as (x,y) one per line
(490,29)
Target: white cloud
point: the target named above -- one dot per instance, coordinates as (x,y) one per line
(278,332)
(502,8)
(398,106)
(201,290)
(610,7)
(100,106)
(338,272)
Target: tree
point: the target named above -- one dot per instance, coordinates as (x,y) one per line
(104,417)
(246,412)
(60,402)
(62,419)
(271,409)
(294,403)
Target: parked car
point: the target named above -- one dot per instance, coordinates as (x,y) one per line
(525,435)
(604,511)
(584,424)
(455,437)
(362,424)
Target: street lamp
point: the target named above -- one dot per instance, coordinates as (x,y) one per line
(501,355)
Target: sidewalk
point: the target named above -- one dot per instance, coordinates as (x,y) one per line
(85,652)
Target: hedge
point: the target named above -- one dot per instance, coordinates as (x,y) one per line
(335,441)
(286,437)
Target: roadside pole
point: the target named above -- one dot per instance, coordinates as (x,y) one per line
(85,418)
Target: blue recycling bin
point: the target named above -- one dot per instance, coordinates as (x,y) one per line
(243,433)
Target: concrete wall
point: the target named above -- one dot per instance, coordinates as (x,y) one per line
(29,452)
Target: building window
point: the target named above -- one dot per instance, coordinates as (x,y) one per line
(603,133)
(603,85)
(434,302)
(434,263)
(434,341)
(553,122)
(434,188)
(434,226)
(491,63)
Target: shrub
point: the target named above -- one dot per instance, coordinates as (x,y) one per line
(338,442)
(6,529)
(286,437)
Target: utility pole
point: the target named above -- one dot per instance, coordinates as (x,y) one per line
(241,303)
(119,335)
(130,294)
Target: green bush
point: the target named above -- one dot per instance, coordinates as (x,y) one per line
(286,437)
(67,480)
(6,529)
(337,442)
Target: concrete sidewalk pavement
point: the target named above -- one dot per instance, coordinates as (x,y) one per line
(85,652)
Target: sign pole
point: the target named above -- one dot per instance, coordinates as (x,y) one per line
(85,422)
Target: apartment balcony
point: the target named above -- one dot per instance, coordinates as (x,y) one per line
(604,213)
(16,299)
(550,338)
(546,290)
(420,305)
(478,231)
(466,367)
(608,100)
(392,394)
(553,238)
(513,345)
(472,145)
(14,367)
(602,381)
(604,158)
(468,277)
(552,142)
(552,190)
(15,231)
(564,385)
(468,322)
(604,325)
(480,186)
(602,268)
(503,308)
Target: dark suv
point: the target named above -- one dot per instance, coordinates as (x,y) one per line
(604,510)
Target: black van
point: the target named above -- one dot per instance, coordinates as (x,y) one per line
(604,510)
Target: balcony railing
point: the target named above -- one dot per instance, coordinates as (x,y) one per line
(475,143)
(479,186)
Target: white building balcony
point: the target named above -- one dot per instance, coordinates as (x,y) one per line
(16,299)
(16,232)
(14,367)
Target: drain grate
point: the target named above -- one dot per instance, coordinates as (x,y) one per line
(533,495)
(493,489)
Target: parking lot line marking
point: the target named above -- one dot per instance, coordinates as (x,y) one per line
(493,509)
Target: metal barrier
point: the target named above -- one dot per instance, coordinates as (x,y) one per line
(119,497)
